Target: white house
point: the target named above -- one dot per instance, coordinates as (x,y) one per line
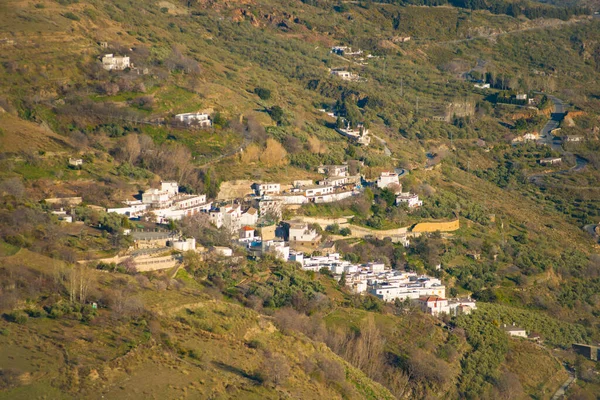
(482,85)
(112,63)
(249,217)
(551,160)
(223,251)
(514,330)
(268,206)
(170,187)
(246,234)
(188,244)
(134,209)
(228,216)
(331,197)
(433,305)
(423,287)
(376,266)
(521,96)
(278,248)
(317,190)
(531,136)
(166,203)
(199,119)
(334,170)
(300,232)
(296,256)
(409,198)
(573,138)
(345,75)
(262,189)
(360,134)
(63,216)
(334,181)
(161,197)
(75,162)
(388,179)
(461,306)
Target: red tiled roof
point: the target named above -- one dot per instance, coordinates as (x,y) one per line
(248,228)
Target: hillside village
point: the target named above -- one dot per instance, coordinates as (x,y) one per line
(308,199)
(254,223)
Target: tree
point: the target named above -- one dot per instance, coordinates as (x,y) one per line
(276,114)
(264,94)
(345,231)
(342,280)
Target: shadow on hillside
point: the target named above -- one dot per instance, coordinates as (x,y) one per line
(236,370)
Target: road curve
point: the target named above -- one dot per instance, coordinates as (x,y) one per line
(554,122)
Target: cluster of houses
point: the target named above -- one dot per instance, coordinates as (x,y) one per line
(164,204)
(375,278)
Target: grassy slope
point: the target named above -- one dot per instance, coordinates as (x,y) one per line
(206,353)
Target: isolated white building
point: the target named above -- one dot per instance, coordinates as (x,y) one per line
(112,63)
(199,119)
(514,330)
(75,162)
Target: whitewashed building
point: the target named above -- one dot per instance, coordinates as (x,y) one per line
(198,119)
(388,179)
(411,199)
(110,62)
(262,189)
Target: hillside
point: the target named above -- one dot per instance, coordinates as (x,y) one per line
(450,93)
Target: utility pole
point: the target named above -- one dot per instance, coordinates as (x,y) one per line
(417,105)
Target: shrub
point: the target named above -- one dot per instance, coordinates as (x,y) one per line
(71,16)
(273,371)
(256,344)
(18,317)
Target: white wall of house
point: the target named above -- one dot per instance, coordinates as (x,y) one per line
(387,179)
(302,234)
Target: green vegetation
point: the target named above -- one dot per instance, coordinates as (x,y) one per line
(260,328)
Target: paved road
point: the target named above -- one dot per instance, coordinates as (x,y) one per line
(401,172)
(561,392)
(386,149)
(554,122)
